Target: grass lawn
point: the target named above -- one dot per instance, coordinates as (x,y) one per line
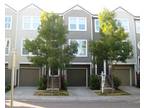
(114,93)
(51,93)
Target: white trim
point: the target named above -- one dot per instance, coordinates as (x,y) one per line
(10,22)
(73,9)
(54,75)
(80,63)
(86,55)
(25,63)
(6,62)
(86,72)
(31,22)
(77,23)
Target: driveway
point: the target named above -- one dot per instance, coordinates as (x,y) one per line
(76,94)
(81,92)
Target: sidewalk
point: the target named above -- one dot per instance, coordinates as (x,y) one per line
(26,94)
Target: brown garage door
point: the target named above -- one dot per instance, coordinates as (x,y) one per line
(76,77)
(7,76)
(28,76)
(123,75)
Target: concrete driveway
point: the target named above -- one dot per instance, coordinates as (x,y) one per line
(76,94)
(81,92)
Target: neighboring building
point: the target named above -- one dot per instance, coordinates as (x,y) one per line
(83,27)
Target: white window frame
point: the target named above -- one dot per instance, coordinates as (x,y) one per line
(77,55)
(10,23)
(77,24)
(31,22)
(122,19)
(22,46)
(96,25)
(54,75)
(6,39)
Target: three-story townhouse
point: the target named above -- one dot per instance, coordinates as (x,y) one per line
(82,27)
(10,33)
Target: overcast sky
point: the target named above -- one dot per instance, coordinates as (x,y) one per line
(94,6)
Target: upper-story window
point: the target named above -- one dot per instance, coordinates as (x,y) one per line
(8,22)
(31,22)
(137,26)
(97,25)
(124,23)
(82,47)
(77,24)
(7,46)
(24,51)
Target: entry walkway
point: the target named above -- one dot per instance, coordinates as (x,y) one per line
(81,92)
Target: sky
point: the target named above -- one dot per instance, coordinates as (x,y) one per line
(94,6)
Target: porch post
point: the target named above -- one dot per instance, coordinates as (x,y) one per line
(104,67)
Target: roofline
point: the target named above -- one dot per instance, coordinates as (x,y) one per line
(10,7)
(124,10)
(78,6)
(30,5)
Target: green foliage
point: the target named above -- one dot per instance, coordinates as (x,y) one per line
(95,82)
(116,82)
(50,46)
(63,83)
(8,87)
(42,83)
(113,44)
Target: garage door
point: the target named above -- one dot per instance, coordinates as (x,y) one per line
(7,76)
(123,75)
(76,77)
(28,76)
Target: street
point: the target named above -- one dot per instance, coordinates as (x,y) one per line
(75,104)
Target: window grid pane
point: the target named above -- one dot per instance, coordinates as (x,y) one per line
(36,22)
(81,47)
(8,22)
(97,25)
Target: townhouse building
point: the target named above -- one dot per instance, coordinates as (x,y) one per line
(83,26)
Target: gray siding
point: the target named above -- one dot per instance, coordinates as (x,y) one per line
(80,34)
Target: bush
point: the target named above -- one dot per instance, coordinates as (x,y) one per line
(95,82)
(63,83)
(7,87)
(42,83)
(116,82)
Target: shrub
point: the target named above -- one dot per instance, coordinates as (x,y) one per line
(7,87)
(95,82)
(42,83)
(63,83)
(116,82)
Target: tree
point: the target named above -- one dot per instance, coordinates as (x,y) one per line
(114,45)
(50,47)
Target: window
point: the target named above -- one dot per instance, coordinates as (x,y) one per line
(7,46)
(97,25)
(31,22)
(24,51)
(137,26)
(77,24)
(82,47)
(124,23)
(54,72)
(8,22)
